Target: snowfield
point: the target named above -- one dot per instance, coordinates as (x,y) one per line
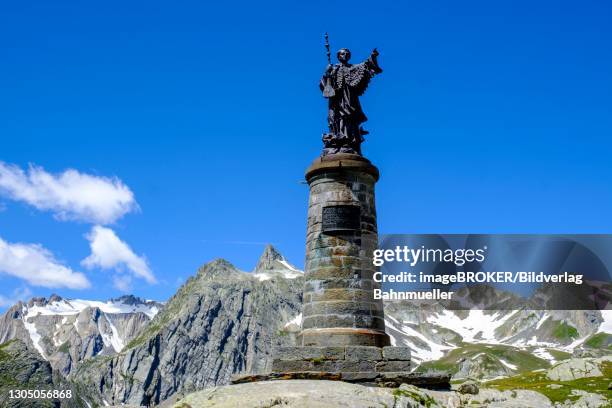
(477,327)
(72,307)
(67,307)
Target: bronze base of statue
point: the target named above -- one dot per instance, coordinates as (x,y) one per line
(338,144)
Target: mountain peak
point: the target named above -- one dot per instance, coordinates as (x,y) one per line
(129,300)
(218,268)
(37,301)
(268,258)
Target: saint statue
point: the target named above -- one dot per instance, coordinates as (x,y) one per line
(342,84)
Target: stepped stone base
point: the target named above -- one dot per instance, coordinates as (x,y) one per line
(368,365)
(388,380)
(342,359)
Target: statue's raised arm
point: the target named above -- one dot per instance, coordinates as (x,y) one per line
(362,73)
(342,84)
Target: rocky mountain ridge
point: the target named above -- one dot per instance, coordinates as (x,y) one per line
(220,322)
(224,321)
(68,331)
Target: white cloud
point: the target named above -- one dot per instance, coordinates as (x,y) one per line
(18,294)
(37,266)
(109,252)
(122,283)
(70,195)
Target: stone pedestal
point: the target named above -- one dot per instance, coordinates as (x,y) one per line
(367,365)
(343,328)
(339,307)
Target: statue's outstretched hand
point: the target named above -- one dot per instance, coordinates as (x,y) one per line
(375,53)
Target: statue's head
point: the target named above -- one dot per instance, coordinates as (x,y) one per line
(344,55)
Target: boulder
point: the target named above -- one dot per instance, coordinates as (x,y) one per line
(573,369)
(492,398)
(468,387)
(586,400)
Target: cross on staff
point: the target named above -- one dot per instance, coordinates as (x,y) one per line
(328,90)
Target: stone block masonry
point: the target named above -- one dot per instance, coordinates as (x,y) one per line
(339,306)
(341,359)
(369,365)
(343,328)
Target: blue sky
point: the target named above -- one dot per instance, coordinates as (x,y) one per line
(489,117)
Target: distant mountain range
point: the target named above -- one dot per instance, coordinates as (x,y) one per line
(224,321)
(66,332)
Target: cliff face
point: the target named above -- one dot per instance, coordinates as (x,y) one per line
(24,369)
(222,321)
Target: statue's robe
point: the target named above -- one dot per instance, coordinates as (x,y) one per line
(343,86)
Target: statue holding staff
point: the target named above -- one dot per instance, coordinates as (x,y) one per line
(342,84)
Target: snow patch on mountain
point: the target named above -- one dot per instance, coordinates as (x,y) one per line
(290,267)
(508,365)
(68,307)
(115,339)
(544,354)
(112,338)
(432,350)
(297,320)
(287,274)
(57,341)
(543,319)
(34,335)
(606,325)
(570,347)
(476,327)
(264,276)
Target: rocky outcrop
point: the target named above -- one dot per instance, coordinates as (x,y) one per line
(468,387)
(312,394)
(21,368)
(331,394)
(221,322)
(492,398)
(576,368)
(586,400)
(12,327)
(24,369)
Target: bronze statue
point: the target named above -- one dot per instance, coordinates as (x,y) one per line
(342,84)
